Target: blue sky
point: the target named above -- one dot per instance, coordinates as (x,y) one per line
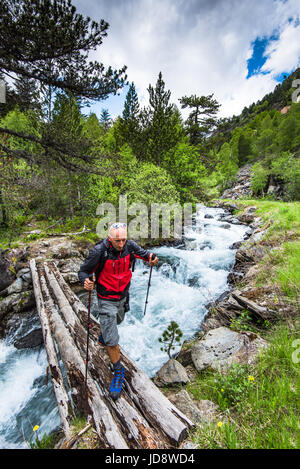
(239,51)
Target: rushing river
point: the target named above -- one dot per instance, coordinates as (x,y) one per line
(187,278)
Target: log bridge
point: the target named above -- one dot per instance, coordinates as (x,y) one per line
(142,417)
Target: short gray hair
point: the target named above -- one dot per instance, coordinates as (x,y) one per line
(116,226)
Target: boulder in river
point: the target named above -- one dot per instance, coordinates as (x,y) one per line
(30,340)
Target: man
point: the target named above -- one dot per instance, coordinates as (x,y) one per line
(112,261)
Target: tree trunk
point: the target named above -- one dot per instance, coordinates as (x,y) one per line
(3,210)
(64,405)
(70,198)
(260,312)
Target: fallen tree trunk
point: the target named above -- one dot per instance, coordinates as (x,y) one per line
(86,398)
(156,408)
(259,311)
(129,416)
(64,405)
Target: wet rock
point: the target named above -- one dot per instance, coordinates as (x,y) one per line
(6,275)
(31,340)
(183,402)
(258,235)
(64,249)
(17,302)
(208,410)
(246,218)
(236,245)
(69,269)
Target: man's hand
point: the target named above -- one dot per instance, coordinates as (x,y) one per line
(88,284)
(153,262)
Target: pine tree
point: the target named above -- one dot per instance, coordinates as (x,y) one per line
(27,94)
(131,105)
(105,119)
(200,122)
(38,32)
(48,41)
(129,123)
(161,122)
(169,337)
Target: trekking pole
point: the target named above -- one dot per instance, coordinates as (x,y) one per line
(93,278)
(153,257)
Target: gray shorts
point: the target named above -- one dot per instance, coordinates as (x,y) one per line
(111,313)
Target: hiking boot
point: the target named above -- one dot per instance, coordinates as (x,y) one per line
(101,340)
(117,383)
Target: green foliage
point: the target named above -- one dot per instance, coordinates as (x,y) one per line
(228,166)
(233,386)
(170,337)
(46,442)
(259,403)
(242,322)
(200,121)
(105,119)
(259,178)
(150,184)
(162,125)
(187,171)
(287,168)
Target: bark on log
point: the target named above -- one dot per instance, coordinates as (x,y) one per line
(156,408)
(64,405)
(259,311)
(86,398)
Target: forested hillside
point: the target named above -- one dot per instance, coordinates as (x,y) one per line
(57,161)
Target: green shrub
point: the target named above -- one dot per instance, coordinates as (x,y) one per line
(259,178)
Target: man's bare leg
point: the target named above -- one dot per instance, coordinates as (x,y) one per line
(113,353)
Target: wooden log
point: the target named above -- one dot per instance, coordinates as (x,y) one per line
(134,425)
(86,398)
(160,412)
(64,405)
(156,408)
(259,311)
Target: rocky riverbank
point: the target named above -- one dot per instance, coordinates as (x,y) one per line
(222,340)
(216,346)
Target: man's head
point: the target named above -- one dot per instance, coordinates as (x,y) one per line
(118,235)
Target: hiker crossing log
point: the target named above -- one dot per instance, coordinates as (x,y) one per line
(142,417)
(87,399)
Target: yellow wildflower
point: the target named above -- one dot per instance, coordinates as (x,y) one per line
(251,378)
(222,390)
(220,424)
(36,428)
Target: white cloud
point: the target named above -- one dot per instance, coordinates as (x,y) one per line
(200,47)
(284,53)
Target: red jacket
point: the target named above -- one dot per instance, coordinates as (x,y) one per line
(113,268)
